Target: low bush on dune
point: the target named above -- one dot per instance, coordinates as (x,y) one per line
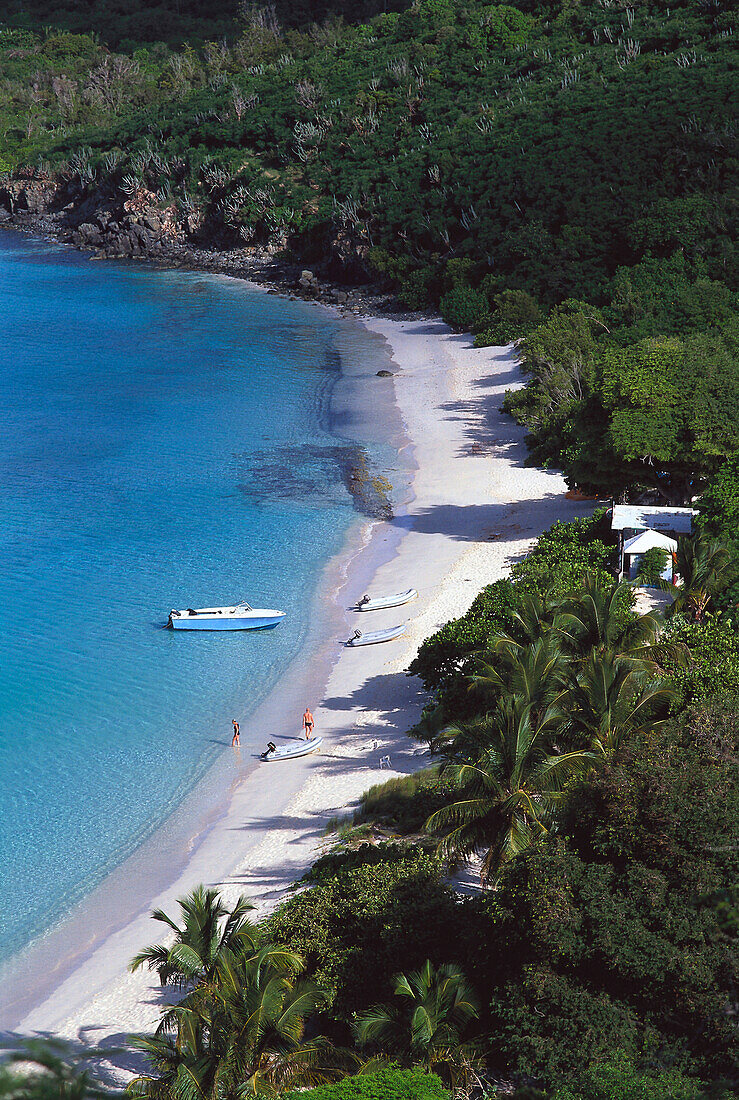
(387,1084)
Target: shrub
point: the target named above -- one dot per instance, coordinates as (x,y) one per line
(340,861)
(564,553)
(386,1084)
(713,657)
(610,941)
(515,314)
(619,1079)
(463,307)
(443,660)
(405,804)
(359,927)
(415,289)
(65,47)
(652,566)
(505,26)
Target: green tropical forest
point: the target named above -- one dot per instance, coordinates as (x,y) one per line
(557,173)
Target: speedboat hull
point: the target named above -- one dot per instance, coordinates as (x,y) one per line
(226,618)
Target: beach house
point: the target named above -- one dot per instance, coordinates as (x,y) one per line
(645,527)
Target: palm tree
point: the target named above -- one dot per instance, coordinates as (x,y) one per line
(208,930)
(705,567)
(464,741)
(534,673)
(509,797)
(611,697)
(429,1027)
(242,1035)
(534,617)
(596,617)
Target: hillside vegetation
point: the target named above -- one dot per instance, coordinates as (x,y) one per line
(556,170)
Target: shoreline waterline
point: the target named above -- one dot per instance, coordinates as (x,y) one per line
(475,508)
(126,883)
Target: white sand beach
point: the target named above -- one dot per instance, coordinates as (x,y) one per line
(476,510)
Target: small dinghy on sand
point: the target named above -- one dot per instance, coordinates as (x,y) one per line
(292,749)
(368,604)
(374,636)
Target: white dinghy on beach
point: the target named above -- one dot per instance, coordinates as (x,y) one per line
(235,617)
(292,749)
(368,603)
(372,637)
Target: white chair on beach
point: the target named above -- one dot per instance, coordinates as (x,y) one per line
(384,762)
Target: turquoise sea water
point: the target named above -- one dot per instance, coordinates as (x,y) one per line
(166,442)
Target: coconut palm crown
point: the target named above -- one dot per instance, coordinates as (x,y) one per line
(509,797)
(208,929)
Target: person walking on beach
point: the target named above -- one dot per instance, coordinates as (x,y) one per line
(236,740)
(308,724)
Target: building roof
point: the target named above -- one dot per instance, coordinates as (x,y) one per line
(646,540)
(638,517)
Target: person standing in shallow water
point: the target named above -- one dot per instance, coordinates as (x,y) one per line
(236,740)
(308,723)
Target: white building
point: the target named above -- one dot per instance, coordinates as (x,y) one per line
(643,526)
(636,547)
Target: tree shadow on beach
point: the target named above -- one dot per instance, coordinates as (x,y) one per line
(490,522)
(107,1058)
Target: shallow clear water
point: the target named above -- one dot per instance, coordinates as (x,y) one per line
(165,443)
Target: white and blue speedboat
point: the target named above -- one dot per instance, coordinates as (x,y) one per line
(238,617)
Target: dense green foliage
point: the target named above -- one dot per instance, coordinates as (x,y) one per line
(515,129)
(365,923)
(620,1079)
(385,1084)
(718,518)
(556,172)
(126,25)
(559,561)
(612,917)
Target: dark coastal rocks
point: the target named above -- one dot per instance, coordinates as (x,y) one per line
(309,283)
(384,374)
(32,196)
(88,235)
(110,228)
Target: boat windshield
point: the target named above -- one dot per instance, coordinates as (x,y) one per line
(243,606)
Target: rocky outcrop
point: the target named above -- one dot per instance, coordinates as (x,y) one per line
(140,227)
(32,196)
(137,227)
